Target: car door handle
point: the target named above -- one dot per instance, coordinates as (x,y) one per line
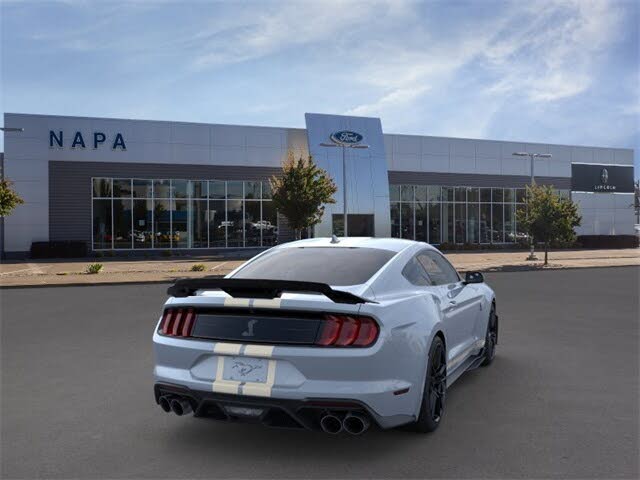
(452,302)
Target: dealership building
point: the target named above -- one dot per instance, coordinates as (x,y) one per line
(134,185)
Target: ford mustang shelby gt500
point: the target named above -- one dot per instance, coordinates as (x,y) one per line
(325,334)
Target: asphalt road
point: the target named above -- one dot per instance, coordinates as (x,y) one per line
(560,400)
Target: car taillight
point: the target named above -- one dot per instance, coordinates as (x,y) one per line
(177,322)
(347,331)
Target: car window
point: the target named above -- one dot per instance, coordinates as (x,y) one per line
(337,266)
(415,273)
(437,267)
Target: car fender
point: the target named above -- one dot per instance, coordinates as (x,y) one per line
(409,323)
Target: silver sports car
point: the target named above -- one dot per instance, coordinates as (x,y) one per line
(325,334)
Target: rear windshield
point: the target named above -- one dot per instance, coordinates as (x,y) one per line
(337,266)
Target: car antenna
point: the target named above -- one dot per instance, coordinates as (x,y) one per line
(334,239)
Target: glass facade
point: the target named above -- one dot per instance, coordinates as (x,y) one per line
(131,213)
(439,214)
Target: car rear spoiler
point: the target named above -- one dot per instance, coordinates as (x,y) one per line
(257,288)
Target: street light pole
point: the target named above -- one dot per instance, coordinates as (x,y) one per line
(344,176)
(532,156)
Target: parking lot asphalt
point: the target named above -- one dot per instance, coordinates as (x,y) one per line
(560,400)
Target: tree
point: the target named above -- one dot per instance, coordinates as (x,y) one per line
(548,217)
(9,199)
(301,193)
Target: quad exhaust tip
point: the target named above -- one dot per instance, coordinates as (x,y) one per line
(352,423)
(355,424)
(177,405)
(331,424)
(165,403)
(180,406)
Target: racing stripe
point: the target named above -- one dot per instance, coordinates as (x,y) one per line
(227,348)
(265,351)
(236,302)
(224,386)
(266,303)
(262,389)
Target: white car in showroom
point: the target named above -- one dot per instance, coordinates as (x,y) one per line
(332,334)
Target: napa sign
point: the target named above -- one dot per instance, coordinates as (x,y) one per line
(57,139)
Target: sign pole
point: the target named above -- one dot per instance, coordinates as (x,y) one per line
(344,188)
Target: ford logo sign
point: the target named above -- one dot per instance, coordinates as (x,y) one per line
(345,137)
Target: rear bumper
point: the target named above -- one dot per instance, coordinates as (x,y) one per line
(374,379)
(280,413)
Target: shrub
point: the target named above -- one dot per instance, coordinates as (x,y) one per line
(94,268)
(198,267)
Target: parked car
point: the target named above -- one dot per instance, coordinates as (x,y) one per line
(325,334)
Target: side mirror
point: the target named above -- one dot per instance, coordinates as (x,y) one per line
(473,277)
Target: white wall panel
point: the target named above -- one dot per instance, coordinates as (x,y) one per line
(623,156)
(434,163)
(463,148)
(406,162)
(190,133)
(624,221)
(190,153)
(623,200)
(488,149)
(228,135)
(587,225)
(435,146)
(559,168)
(561,153)
(228,156)
(541,166)
(408,144)
(514,165)
(462,164)
(603,155)
(265,157)
(152,152)
(32,191)
(582,155)
(507,149)
(27,169)
(150,132)
(265,137)
(490,166)
(296,141)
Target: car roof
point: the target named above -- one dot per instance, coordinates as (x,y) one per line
(392,244)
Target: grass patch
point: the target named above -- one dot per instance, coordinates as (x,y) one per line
(94,268)
(198,267)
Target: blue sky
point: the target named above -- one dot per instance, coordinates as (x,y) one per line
(549,71)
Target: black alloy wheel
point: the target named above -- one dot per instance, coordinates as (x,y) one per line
(438,382)
(491,338)
(435,389)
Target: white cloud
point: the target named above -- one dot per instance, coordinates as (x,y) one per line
(396,99)
(249,33)
(552,52)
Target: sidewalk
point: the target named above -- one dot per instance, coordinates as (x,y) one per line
(72,272)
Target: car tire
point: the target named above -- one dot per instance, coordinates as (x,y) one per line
(491,338)
(435,388)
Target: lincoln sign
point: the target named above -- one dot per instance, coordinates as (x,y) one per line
(601,178)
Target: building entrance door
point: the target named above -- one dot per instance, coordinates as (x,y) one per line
(357,225)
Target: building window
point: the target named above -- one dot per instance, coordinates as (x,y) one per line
(132,213)
(458,214)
